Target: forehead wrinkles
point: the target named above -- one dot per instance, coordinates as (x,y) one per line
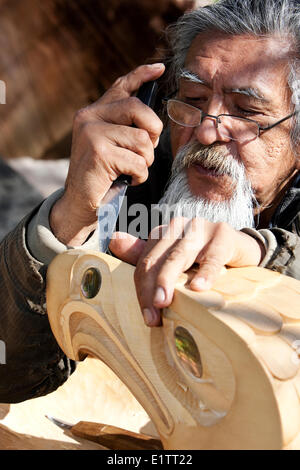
(277,47)
(238,56)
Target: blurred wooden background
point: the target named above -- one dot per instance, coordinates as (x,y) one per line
(59,55)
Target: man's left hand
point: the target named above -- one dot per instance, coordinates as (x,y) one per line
(172,249)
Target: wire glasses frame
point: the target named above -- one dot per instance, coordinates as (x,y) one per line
(246,129)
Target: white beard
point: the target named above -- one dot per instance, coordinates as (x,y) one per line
(178,201)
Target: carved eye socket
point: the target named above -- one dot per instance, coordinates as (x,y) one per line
(187,351)
(91,283)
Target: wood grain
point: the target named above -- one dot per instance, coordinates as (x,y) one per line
(211,377)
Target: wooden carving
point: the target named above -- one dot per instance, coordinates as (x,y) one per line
(93,393)
(223,370)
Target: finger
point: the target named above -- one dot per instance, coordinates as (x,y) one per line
(131,249)
(149,264)
(212,259)
(180,257)
(102,172)
(132,111)
(210,268)
(126,85)
(110,161)
(135,140)
(106,141)
(102,141)
(125,162)
(126,247)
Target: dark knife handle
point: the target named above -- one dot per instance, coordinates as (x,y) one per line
(126,179)
(147,94)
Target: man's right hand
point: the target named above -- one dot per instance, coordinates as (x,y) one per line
(104,146)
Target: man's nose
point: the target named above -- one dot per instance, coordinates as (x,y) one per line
(211,131)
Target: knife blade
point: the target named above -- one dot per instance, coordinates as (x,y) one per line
(110,206)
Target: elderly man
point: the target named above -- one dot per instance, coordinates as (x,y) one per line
(229,152)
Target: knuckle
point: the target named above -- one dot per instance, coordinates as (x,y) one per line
(80,116)
(139,165)
(150,159)
(142,137)
(178,252)
(145,265)
(134,102)
(85,128)
(141,168)
(118,82)
(136,71)
(142,177)
(157,125)
(99,148)
(211,261)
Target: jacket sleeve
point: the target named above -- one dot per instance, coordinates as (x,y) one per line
(31,362)
(282,249)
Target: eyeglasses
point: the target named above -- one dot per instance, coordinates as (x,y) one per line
(234,127)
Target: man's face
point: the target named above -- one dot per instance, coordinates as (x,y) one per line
(242,76)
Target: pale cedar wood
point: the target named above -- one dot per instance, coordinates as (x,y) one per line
(245,329)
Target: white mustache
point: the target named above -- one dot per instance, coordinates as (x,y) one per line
(213,157)
(178,200)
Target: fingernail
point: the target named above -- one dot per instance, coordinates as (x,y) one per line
(156,143)
(159,296)
(149,316)
(200,283)
(157,65)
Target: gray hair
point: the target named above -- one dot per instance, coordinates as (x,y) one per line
(236,17)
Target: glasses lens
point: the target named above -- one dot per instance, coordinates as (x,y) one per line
(183,113)
(238,129)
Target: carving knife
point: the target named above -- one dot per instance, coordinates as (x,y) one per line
(112,437)
(109,209)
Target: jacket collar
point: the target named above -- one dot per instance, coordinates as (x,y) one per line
(289,208)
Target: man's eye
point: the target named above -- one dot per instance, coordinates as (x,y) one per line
(197,102)
(247,112)
(194,99)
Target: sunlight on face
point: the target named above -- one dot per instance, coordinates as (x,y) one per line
(237,210)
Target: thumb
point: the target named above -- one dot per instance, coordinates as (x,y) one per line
(124,86)
(126,247)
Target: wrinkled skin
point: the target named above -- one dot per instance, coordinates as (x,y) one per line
(104,146)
